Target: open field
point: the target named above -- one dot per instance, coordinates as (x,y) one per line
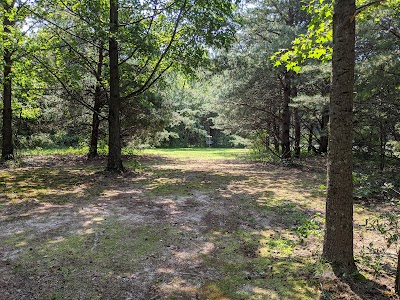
(186,224)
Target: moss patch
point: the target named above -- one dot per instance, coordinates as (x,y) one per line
(53,185)
(110,252)
(179,182)
(254,266)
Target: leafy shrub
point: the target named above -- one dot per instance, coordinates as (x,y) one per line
(376,185)
(64,139)
(388,226)
(258,140)
(311,226)
(40,140)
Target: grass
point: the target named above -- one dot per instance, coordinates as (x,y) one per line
(51,184)
(181,228)
(83,260)
(201,153)
(197,153)
(58,151)
(257,266)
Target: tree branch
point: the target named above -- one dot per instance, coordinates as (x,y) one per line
(61,28)
(362,7)
(86,60)
(163,55)
(391,30)
(73,94)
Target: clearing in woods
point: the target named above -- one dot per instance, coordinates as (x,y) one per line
(199,224)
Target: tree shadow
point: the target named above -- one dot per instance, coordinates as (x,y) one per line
(201,210)
(355,286)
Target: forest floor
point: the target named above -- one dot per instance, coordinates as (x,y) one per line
(179,227)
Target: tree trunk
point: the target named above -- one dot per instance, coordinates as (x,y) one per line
(276,135)
(338,240)
(297,133)
(98,103)
(396,135)
(114,163)
(297,128)
(7,152)
(324,138)
(397,283)
(287,91)
(285,138)
(310,138)
(94,137)
(268,136)
(382,140)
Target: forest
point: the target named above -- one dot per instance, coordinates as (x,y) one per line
(194,149)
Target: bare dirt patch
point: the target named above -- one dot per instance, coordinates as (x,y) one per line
(180,229)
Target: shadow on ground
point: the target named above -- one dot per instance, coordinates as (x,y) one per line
(179,229)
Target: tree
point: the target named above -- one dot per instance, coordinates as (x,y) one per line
(192,103)
(114,162)
(98,104)
(338,242)
(377,99)
(145,39)
(9,21)
(75,55)
(338,239)
(7,146)
(261,97)
(175,34)
(17,69)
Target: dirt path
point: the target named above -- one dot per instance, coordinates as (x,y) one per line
(180,229)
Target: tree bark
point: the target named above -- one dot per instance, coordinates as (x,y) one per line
(310,138)
(397,282)
(324,137)
(276,135)
(297,126)
(285,137)
(7,152)
(98,104)
(338,240)
(382,141)
(287,90)
(114,162)
(268,136)
(297,133)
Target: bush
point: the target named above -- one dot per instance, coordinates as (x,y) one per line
(64,139)
(40,140)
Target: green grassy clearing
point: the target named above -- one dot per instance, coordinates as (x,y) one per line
(59,151)
(197,153)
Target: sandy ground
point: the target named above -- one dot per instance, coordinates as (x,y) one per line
(159,234)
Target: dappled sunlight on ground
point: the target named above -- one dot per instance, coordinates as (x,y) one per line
(181,229)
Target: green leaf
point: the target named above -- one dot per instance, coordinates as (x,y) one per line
(297,69)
